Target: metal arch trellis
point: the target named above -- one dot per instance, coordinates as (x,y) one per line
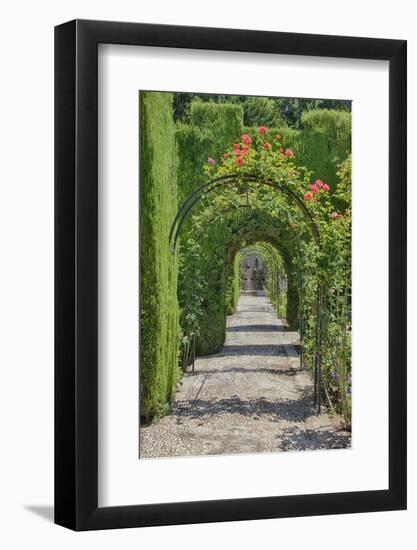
(297,247)
(204,189)
(287,223)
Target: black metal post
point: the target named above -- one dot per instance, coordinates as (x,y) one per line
(320,322)
(300,321)
(193,352)
(317,355)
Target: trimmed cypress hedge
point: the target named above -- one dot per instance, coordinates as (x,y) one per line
(158,266)
(213,126)
(325,142)
(321,144)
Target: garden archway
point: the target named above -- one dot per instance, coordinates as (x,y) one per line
(280,187)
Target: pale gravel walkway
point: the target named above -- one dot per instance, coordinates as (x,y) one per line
(252,397)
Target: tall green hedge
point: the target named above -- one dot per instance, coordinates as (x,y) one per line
(323,141)
(213,126)
(158,266)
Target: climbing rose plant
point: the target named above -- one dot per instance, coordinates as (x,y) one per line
(303,202)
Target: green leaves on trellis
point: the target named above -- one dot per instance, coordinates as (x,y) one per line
(273,200)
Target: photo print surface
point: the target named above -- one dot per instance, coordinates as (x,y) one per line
(245,274)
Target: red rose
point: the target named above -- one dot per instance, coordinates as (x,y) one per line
(266,146)
(326,187)
(262,129)
(246,139)
(289,153)
(240,161)
(308,196)
(236,146)
(319,183)
(314,188)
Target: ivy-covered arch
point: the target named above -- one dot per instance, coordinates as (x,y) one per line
(268,254)
(250,236)
(254,225)
(209,276)
(257,178)
(276,272)
(203,190)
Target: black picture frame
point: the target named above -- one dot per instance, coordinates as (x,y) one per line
(76,272)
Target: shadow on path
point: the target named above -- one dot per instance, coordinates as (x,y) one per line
(295,439)
(256,370)
(271,350)
(251,397)
(256,328)
(292,410)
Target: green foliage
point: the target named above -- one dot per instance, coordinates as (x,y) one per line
(322,141)
(211,128)
(293,109)
(225,232)
(289,136)
(268,178)
(276,279)
(325,142)
(232,285)
(273,205)
(158,267)
(262,111)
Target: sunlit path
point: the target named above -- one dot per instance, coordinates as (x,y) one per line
(251,397)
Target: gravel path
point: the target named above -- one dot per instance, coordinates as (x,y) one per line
(252,397)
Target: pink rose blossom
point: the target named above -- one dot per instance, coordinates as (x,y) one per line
(246,139)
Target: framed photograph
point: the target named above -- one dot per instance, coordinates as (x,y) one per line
(230,253)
